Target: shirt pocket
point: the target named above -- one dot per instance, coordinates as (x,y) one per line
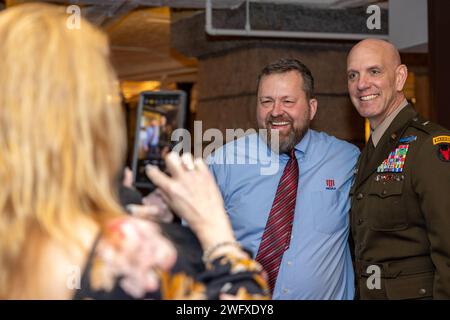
(387,212)
(329,211)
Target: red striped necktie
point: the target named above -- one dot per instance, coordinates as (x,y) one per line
(277,233)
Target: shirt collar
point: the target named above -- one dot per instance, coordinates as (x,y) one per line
(382,127)
(302,146)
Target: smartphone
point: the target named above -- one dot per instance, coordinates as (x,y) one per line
(159,113)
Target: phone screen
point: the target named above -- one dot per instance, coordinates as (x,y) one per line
(159,114)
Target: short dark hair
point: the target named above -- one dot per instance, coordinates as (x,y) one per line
(286,65)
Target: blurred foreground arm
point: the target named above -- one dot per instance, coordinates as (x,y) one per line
(191,192)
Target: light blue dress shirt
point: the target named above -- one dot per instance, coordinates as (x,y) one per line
(317,264)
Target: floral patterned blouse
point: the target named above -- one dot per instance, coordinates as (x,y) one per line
(138,259)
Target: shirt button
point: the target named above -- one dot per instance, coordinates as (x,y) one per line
(289,263)
(285,290)
(359,196)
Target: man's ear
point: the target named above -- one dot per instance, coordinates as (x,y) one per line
(312,108)
(401,74)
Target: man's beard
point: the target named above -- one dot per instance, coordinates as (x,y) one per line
(284,144)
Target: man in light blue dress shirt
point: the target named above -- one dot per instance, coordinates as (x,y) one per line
(317,264)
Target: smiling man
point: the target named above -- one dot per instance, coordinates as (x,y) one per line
(295,221)
(400,215)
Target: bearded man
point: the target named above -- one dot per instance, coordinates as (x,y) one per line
(294,220)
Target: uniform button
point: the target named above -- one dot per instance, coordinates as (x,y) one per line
(393,136)
(422,291)
(360,222)
(384,192)
(359,196)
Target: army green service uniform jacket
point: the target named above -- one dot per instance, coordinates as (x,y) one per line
(400,214)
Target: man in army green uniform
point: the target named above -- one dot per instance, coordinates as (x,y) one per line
(400,215)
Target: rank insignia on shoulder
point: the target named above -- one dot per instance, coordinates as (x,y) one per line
(441,139)
(408,139)
(395,161)
(444,152)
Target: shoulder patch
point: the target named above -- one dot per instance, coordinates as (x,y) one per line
(443,152)
(441,139)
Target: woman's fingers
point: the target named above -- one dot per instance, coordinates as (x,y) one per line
(163,196)
(188,161)
(127,178)
(159,179)
(194,196)
(174,164)
(141,211)
(200,165)
(191,186)
(157,200)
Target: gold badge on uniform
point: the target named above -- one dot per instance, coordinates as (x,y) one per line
(441,139)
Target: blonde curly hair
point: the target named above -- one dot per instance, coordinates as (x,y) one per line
(62,137)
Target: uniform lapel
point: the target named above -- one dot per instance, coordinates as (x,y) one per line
(362,164)
(387,143)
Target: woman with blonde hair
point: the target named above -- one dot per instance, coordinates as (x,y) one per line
(62,143)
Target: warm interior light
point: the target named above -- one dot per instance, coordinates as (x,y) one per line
(132,89)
